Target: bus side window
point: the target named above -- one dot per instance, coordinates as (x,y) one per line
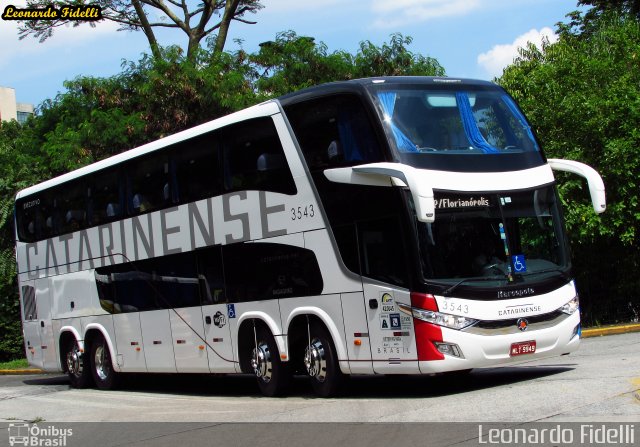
(197,168)
(72,200)
(210,276)
(148,184)
(266,271)
(334,131)
(104,198)
(254,158)
(381,250)
(158,283)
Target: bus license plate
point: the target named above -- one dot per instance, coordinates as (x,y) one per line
(525,347)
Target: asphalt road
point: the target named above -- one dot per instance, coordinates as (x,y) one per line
(598,383)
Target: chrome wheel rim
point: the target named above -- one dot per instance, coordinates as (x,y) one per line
(74,361)
(315,360)
(101,362)
(261,362)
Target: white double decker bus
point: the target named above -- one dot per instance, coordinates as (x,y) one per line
(376,226)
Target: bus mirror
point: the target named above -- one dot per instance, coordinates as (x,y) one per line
(596,185)
(390,174)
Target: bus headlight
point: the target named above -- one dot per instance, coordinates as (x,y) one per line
(571,307)
(430,316)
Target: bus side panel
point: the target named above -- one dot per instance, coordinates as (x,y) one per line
(356,328)
(220,344)
(187,332)
(130,349)
(158,344)
(74,295)
(50,358)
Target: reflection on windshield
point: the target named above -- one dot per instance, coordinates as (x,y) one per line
(508,236)
(428,120)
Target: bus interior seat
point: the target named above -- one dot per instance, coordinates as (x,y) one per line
(269,162)
(113,210)
(74,218)
(334,152)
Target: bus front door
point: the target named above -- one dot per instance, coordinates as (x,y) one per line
(391,332)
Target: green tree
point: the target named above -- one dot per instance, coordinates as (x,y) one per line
(18,169)
(293,62)
(195,21)
(582,95)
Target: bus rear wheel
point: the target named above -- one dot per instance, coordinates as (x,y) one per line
(101,366)
(272,374)
(77,365)
(321,363)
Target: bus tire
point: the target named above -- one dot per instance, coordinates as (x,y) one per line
(272,374)
(321,363)
(101,365)
(77,365)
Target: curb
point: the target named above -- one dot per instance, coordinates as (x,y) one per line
(11,372)
(610,330)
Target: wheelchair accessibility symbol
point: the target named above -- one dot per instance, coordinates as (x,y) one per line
(519,264)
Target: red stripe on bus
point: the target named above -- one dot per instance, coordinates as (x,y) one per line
(426,334)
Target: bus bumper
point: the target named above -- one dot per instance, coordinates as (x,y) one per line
(478,351)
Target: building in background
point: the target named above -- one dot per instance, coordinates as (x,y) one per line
(12,110)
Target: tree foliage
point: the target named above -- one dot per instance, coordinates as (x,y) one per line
(194,20)
(582,95)
(17,170)
(293,62)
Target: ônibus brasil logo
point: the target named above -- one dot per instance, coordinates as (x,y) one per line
(33,435)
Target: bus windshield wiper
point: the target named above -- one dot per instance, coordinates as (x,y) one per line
(481,278)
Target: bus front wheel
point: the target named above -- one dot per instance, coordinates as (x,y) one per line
(77,365)
(321,363)
(101,366)
(272,374)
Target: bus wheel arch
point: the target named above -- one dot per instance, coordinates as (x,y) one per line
(75,362)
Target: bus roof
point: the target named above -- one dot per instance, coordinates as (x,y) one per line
(359,85)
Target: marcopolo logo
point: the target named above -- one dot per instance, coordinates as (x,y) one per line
(89,13)
(33,435)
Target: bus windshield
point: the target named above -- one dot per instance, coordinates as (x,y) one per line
(440,127)
(507,237)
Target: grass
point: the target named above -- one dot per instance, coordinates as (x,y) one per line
(14,364)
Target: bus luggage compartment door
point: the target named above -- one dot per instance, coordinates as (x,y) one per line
(48,345)
(31,324)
